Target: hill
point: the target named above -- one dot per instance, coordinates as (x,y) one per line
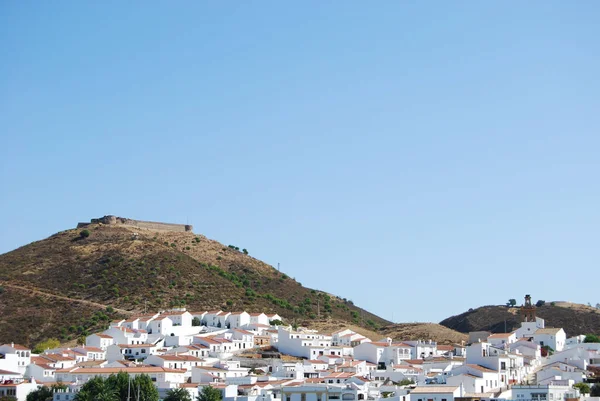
(67,285)
(423,331)
(573,318)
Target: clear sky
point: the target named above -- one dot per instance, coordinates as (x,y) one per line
(420,158)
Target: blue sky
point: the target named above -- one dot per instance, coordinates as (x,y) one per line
(419,158)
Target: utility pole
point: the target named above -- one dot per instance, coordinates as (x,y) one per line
(319,308)
(278,268)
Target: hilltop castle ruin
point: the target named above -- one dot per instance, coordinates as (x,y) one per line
(149,225)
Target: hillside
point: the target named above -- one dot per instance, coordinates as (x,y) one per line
(573,318)
(423,331)
(399,331)
(66,286)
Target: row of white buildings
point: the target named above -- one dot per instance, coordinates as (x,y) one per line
(182,349)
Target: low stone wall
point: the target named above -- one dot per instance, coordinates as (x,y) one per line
(149,225)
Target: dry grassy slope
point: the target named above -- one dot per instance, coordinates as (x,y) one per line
(398,332)
(423,331)
(573,318)
(154,270)
(29,318)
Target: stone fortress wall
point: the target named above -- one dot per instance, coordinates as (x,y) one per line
(149,225)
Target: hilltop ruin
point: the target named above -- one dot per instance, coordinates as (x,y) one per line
(149,225)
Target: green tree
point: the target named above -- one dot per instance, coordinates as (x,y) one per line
(120,383)
(540,303)
(276,322)
(595,390)
(196,321)
(44,345)
(209,393)
(106,393)
(511,302)
(83,395)
(591,338)
(43,393)
(147,390)
(583,388)
(245,251)
(117,388)
(178,394)
(84,233)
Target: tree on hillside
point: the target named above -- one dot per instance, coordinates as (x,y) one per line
(583,388)
(44,345)
(178,394)
(511,302)
(84,234)
(540,303)
(591,338)
(209,393)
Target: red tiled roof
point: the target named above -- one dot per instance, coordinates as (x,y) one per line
(17,347)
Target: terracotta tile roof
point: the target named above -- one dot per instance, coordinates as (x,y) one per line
(414,361)
(257,314)
(196,346)
(548,330)
(481,368)
(244,331)
(339,375)
(104,336)
(57,357)
(6,372)
(88,349)
(173,313)
(187,358)
(17,347)
(501,335)
(433,389)
(87,364)
(445,347)
(384,344)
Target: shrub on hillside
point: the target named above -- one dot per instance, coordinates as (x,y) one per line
(84,233)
